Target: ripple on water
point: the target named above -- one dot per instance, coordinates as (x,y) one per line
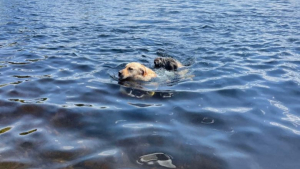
(61,105)
(159,159)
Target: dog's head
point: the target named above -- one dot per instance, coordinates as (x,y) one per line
(133,71)
(167,63)
(159,62)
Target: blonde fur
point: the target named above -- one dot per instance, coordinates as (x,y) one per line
(136,71)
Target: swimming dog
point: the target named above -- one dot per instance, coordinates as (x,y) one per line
(136,71)
(167,63)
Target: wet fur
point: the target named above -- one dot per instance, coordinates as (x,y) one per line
(136,71)
(167,63)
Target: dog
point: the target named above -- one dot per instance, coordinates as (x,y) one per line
(167,63)
(135,71)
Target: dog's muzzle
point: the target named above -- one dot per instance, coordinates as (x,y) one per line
(121,75)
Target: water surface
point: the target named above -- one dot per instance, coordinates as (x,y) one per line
(62,107)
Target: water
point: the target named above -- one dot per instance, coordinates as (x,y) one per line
(62,107)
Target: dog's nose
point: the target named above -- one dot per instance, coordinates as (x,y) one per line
(120,74)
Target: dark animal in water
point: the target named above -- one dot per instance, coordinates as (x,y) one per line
(167,63)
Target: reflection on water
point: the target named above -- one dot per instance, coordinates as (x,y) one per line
(135,92)
(28,132)
(157,158)
(5,130)
(235,104)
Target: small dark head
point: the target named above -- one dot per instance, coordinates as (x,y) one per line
(166,63)
(158,62)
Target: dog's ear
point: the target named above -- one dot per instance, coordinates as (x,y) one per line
(143,71)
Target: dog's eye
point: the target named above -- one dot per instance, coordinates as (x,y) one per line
(130,68)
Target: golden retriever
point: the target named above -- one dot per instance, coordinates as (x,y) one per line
(136,71)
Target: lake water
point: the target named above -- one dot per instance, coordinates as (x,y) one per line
(237,107)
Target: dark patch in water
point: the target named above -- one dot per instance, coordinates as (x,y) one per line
(4,130)
(28,132)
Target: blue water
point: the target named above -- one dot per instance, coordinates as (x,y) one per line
(237,107)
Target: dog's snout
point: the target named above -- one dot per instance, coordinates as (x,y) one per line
(156,63)
(121,76)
